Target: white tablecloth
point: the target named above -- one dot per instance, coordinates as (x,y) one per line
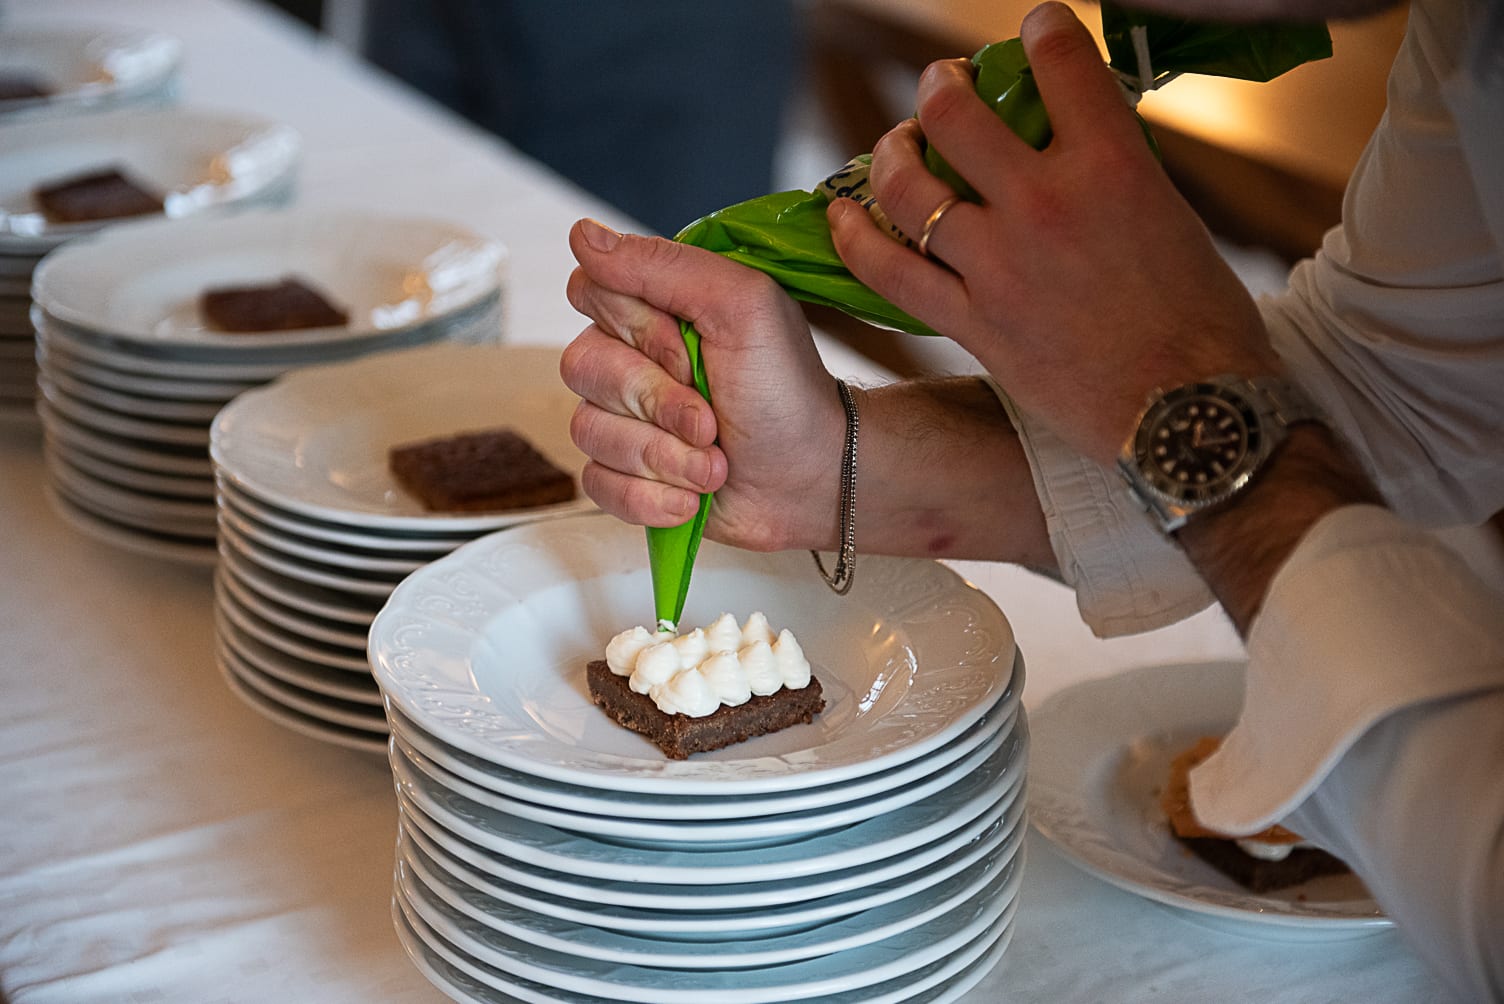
(161,842)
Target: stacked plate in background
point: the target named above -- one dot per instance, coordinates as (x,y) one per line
(198,161)
(130,379)
(77,69)
(315,533)
(546,853)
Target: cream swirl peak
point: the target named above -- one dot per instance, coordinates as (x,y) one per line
(723,663)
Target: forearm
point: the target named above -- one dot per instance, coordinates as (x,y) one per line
(941,474)
(1238,549)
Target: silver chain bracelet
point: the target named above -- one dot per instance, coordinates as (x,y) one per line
(845,572)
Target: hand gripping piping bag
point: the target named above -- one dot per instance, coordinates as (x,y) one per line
(786,235)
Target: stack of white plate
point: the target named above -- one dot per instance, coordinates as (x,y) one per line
(81,68)
(547,854)
(315,533)
(130,380)
(199,161)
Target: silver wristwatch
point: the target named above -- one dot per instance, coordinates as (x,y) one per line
(1200,444)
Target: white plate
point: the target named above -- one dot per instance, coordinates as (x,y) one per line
(301,547)
(86,67)
(467,979)
(88,495)
(867,842)
(341,420)
(667,807)
(868,966)
(328,680)
(425,884)
(476,325)
(296,622)
(131,478)
(1001,839)
(369,585)
(331,710)
(715,834)
(151,408)
(308,725)
(1101,753)
(197,159)
(158,458)
(332,604)
(142,282)
(319,680)
(86,414)
(286,642)
(163,546)
(59,357)
(908,660)
(416,544)
(695,899)
(184,515)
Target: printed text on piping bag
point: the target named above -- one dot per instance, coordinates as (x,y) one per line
(786,235)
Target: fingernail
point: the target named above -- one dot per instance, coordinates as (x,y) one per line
(598,235)
(839,208)
(697,470)
(687,423)
(683,504)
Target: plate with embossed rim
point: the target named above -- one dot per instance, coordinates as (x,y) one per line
(428,882)
(87,67)
(873,965)
(877,788)
(811,856)
(342,420)
(466,978)
(140,283)
(622,827)
(1100,756)
(198,159)
(906,859)
(485,649)
(1001,837)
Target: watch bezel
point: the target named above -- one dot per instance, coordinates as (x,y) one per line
(1192,496)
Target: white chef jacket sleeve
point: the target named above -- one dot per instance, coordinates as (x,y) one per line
(1373,724)
(1395,328)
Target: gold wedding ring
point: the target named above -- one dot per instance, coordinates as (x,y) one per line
(932,222)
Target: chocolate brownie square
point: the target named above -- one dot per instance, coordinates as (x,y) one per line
(286,305)
(15,86)
(97,195)
(679,735)
(1258,875)
(489,470)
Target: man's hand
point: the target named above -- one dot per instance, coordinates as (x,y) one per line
(773,439)
(1082,281)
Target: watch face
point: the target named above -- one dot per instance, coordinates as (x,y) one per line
(1198,443)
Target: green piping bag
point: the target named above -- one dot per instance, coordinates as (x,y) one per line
(786,236)
(672,550)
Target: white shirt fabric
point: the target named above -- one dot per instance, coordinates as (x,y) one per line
(1374,713)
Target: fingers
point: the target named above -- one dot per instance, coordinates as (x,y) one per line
(643,451)
(708,290)
(643,503)
(618,379)
(925,289)
(906,189)
(651,332)
(966,132)
(1079,91)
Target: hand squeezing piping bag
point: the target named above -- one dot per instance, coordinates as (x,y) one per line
(786,235)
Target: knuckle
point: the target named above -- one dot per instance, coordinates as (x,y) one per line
(582,424)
